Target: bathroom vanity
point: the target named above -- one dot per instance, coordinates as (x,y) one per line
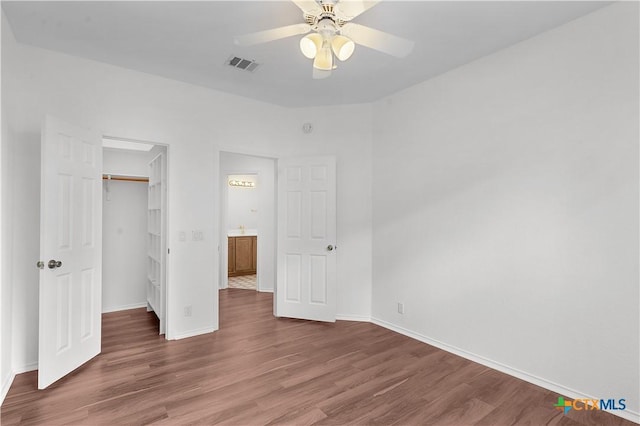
(243,250)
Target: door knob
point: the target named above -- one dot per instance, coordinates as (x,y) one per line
(329,247)
(40,264)
(54,264)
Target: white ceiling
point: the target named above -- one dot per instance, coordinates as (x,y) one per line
(191,41)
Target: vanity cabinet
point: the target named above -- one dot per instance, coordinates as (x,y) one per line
(242,255)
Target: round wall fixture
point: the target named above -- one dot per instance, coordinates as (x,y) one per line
(307,128)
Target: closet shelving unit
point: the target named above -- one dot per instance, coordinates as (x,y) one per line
(156,239)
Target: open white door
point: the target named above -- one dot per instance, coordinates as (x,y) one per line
(306,278)
(70,249)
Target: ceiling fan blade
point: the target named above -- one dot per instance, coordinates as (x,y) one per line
(309,7)
(349,9)
(271,35)
(378,40)
(320,74)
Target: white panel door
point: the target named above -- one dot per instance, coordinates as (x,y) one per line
(306,278)
(70,249)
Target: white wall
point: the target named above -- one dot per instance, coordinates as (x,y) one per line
(124,231)
(126,163)
(6,296)
(25,246)
(195,123)
(505,205)
(242,208)
(5,284)
(124,245)
(264,171)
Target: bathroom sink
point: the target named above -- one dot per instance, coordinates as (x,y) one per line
(240,233)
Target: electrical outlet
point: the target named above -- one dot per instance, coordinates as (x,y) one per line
(400,308)
(197,235)
(182,236)
(187,311)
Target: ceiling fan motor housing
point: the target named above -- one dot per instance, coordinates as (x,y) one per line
(319,21)
(326,27)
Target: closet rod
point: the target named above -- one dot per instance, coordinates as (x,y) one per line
(127,178)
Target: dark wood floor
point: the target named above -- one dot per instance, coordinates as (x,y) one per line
(261,370)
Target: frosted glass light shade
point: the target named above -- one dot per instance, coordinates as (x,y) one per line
(310,44)
(324,59)
(343,47)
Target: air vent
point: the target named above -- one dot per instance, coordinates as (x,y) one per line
(243,64)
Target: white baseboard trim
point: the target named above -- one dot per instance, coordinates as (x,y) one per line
(267,290)
(25,367)
(349,317)
(554,387)
(193,333)
(6,385)
(124,307)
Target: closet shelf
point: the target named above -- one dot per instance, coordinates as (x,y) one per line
(156,240)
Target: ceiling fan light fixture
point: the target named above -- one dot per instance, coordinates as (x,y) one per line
(328,31)
(324,59)
(310,45)
(343,47)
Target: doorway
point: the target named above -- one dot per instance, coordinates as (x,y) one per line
(247,222)
(296,237)
(134,227)
(242,231)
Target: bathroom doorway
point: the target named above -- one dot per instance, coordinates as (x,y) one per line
(247,222)
(242,231)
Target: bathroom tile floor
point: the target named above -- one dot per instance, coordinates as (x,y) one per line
(245,282)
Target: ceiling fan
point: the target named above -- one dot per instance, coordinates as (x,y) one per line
(333,35)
